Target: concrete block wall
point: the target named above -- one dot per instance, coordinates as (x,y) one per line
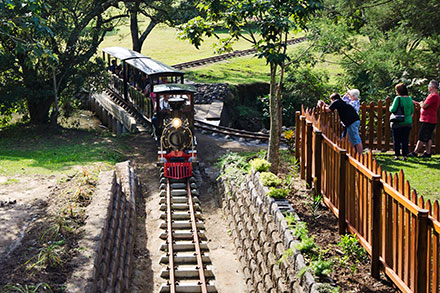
(104,261)
(112,115)
(261,236)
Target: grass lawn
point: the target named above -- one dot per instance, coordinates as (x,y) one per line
(162,44)
(422,174)
(27,150)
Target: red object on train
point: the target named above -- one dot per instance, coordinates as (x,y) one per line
(178,170)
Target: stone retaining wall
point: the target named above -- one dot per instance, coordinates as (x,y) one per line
(261,236)
(105,257)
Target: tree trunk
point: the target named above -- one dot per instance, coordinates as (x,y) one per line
(39,110)
(134,28)
(275,127)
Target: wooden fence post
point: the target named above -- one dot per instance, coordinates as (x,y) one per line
(376,189)
(342,224)
(422,252)
(387,144)
(318,162)
(302,170)
(297,135)
(309,154)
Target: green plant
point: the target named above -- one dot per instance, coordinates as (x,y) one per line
(262,154)
(307,245)
(26,288)
(290,219)
(270,179)
(61,226)
(49,255)
(289,180)
(235,160)
(278,193)
(328,288)
(301,230)
(353,252)
(315,203)
(351,247)
(260,165)
(322,267)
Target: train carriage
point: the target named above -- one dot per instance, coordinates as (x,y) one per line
(134,65)
(174,128)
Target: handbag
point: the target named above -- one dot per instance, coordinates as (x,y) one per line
(399,115)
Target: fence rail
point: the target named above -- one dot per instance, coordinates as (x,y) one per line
(399,229)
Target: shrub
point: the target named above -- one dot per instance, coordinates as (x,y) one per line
(270,179)
(322,267)
(351,247)
(260,165)
(278,192)
(306,245)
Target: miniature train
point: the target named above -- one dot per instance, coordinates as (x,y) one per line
(157,91)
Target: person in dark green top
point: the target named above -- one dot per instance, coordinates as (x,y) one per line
(401,130)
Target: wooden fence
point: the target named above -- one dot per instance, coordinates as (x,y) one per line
(397,228)
(375,128)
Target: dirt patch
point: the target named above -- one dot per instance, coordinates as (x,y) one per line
(40,227)
(21,203)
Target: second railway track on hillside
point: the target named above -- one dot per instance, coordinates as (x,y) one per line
(222,57)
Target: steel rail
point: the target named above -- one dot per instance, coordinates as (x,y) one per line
(222,57)
(172,279)
(195,232)
(231,131)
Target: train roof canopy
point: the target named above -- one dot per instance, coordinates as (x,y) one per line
(123,53)
(174,88)
(143,63)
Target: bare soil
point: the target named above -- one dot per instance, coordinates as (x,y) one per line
(30,210)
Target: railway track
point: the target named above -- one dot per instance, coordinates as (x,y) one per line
(230,131)
(142,120)
(185,249)
(222,57)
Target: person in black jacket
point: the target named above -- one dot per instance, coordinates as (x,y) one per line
(349,118)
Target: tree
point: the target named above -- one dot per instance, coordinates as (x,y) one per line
(21,26)
(45,49)
(381,43)
(170,12)
(266,24)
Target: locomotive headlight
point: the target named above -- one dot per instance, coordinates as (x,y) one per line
(176,122)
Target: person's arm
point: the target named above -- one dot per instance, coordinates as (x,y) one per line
(395,104)
(427,103)
(324,106)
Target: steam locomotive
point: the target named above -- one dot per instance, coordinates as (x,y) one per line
(157,91)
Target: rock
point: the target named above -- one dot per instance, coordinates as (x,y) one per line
(206,93)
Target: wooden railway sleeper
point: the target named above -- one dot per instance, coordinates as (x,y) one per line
(183,222)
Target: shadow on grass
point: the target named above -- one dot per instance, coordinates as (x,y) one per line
(56,148)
